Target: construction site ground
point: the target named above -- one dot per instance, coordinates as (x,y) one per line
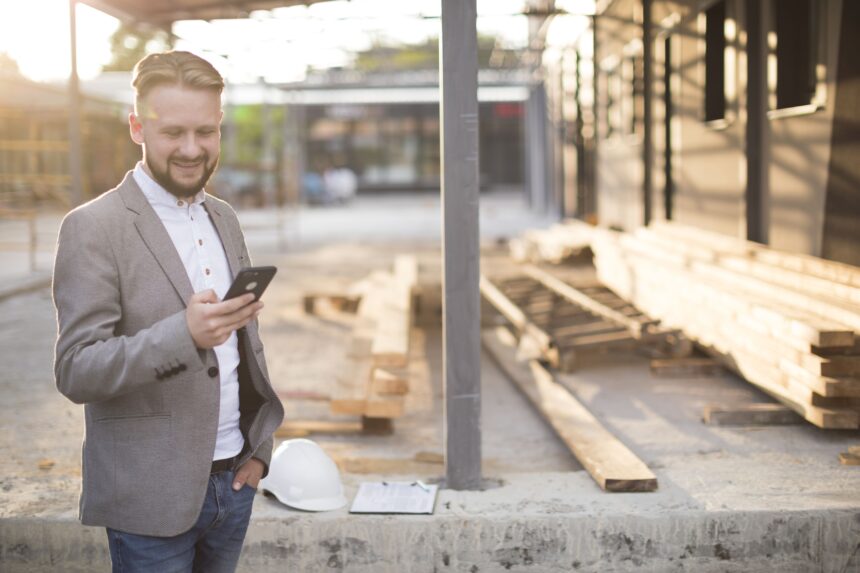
(729,498)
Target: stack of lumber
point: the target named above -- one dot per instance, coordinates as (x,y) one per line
(557,244)
(785,322)
(560,322)
(374,379)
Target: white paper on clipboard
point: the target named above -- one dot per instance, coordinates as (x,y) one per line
(394,497)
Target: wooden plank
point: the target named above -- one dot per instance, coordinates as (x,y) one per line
(823,385)
(690,367)
(843,313)
(598,326)
(350,391)
(594,340)
(576,297)
(377,426)
(514,315)
(389,381)
(383,406)
(406,269)
(832,366)
(301,428)
(612,465)
(802,323)
(749,415)
(849,459)
(806,265)
(801,282)
(751,368)
(312,302)
(391,337)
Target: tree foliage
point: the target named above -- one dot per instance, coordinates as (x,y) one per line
(388,57)
(130,44)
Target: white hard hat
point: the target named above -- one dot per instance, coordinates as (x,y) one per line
(303,476)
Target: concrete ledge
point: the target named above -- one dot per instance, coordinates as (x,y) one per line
(535,523)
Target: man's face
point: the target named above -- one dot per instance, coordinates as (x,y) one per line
(179,130)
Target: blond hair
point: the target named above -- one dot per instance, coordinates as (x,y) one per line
(174,68)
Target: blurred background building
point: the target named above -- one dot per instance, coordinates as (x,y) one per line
(738,116)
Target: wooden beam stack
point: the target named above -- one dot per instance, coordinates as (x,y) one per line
(557,244)
(785,322)
(374,379)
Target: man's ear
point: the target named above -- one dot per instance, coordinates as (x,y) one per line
(135,128)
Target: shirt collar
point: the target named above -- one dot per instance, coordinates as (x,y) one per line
(158,195)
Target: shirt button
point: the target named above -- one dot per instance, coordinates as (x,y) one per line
(208,272)
(180,203)
(213,372)
(200,241)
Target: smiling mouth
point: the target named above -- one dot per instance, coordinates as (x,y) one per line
(188,166)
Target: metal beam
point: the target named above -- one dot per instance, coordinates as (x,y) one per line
(757,124)
(75,150)
(647,115)
(458,60)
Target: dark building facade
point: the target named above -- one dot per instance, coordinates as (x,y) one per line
(736,116)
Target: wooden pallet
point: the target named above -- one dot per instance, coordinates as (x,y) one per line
(563,322)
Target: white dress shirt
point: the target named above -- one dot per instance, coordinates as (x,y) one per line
(202,254)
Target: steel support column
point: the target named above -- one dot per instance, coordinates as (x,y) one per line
(75,140)
(647,115)
(757,124)
(460,243)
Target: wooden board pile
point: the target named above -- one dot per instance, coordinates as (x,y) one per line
(560,243)
(785,322)
(562,322)
(375,377)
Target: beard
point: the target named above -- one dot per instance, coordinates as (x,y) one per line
(173,186)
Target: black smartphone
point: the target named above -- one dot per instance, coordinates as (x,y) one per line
(251,279)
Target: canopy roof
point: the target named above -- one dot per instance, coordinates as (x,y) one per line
(165,12)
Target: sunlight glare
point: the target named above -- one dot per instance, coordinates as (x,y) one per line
(36,35)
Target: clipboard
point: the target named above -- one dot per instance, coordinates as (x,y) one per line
(394,497)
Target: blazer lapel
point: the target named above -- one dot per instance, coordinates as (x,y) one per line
(224,233)
(155,237)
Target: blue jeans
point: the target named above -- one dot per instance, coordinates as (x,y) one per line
(212,545)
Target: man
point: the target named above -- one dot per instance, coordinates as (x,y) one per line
(179,411)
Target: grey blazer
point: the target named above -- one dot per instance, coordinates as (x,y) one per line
(150,396)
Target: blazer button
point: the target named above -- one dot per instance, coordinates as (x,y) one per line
(213,372)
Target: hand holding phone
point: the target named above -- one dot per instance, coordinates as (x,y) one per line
(251,280)
(211,322)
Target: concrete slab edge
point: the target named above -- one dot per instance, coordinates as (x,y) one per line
(826,541)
